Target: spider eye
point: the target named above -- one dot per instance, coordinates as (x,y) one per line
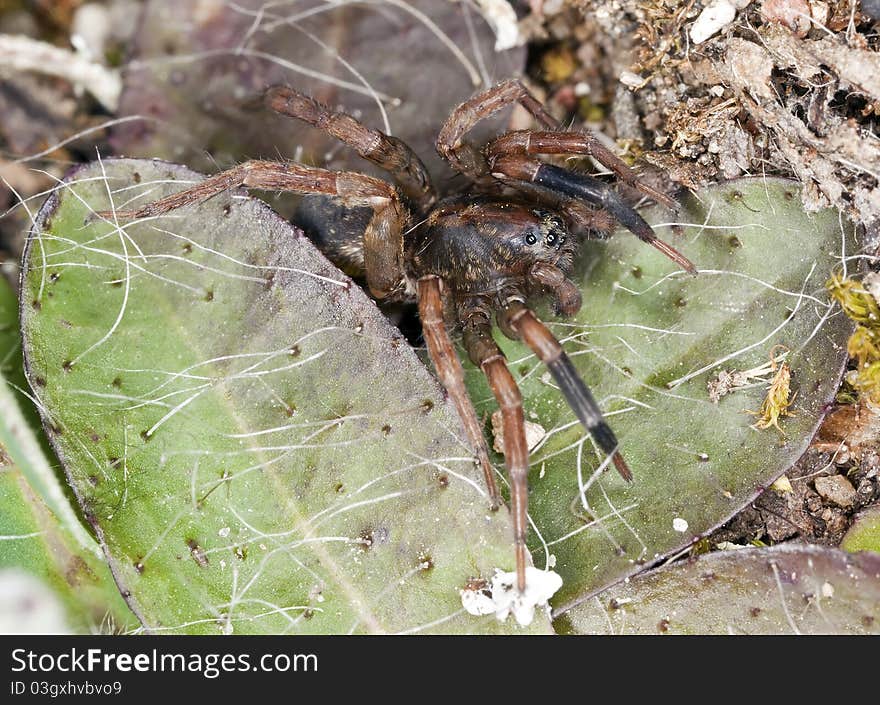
(552,238)
(531,239)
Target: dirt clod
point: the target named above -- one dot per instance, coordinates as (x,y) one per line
(837,489)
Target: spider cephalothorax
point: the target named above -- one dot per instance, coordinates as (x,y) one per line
(479,245)
(469,258)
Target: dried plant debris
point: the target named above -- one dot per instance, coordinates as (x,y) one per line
(18,53)
(728,381)
(816,132)
(721,88)
(59,85)
(779,397)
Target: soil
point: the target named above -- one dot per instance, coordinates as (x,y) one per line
(801,512)
(766,94)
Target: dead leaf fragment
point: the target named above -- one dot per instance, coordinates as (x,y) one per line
(535,433)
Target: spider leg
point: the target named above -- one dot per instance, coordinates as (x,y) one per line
(518,318)
(389,153)
(519,168)
(383,241)
(530,142)
(582,220)
(451,375)
(465,158)
(485,353)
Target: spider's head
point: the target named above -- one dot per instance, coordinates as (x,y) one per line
(540,237)
(477,244)
(546,239)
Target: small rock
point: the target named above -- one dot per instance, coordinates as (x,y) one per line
(631,80)
(502,18)
(813,503)
(836,526)
(836,489)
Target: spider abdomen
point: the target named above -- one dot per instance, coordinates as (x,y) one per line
(336,230)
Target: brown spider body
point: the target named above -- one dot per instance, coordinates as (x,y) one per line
(467,259)
(482,247)
(479,246)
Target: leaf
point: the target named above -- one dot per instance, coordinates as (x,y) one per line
(49,546)
(864,534)
(257,448)
(648,340)
(781,590)
(20,430)
(197,69)
(10,345)
(34,541)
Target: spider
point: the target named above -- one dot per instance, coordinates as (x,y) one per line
(508,239)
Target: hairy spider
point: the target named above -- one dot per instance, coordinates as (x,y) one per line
(467,257)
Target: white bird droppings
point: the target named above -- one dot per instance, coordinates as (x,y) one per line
(501,598)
